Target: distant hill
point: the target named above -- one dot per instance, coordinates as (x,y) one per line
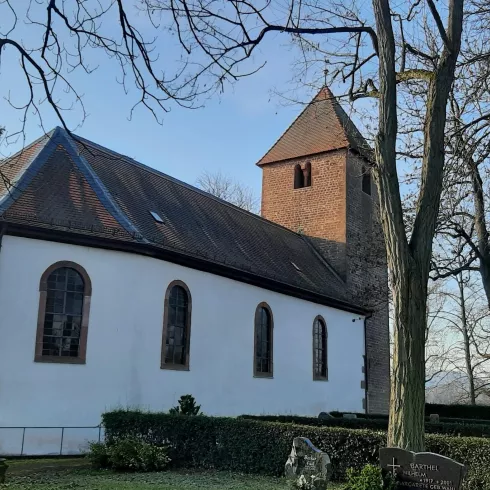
(450,388)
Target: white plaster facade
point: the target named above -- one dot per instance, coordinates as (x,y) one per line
(124,344)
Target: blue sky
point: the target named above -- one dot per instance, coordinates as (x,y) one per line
(229,134)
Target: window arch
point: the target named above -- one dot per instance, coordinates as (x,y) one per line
(366,181)
(263,341)
(299,181)
(320,349)
(65,290)
(176,327)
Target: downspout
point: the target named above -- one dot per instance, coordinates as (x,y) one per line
(366,364)
(3,229)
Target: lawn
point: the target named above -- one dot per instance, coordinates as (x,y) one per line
(50,476)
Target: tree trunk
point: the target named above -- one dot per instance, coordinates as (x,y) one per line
(407,412)
(409,262)
(466,339)
(481,227)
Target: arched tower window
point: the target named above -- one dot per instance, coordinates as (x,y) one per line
(299,181)
(366,181)
(64,303)
(176,327)
(263,343)
(320,354)
(307,175)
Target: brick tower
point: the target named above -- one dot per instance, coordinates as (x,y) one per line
(316,181)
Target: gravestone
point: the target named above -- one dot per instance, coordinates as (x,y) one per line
(422,471)
(307,460)
(434,418)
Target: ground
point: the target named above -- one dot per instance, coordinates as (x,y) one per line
(74,474)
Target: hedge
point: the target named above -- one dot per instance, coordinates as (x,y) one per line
(459,411)
(252,446)
(462,428)
(449,413)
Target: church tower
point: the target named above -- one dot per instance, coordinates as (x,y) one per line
(316,181)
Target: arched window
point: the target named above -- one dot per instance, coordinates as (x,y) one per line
(64,305)
(263,344)
(298,177)
(366,181)
(176,327)
(320,354)
(307,175)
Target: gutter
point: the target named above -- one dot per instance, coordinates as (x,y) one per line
(186,260)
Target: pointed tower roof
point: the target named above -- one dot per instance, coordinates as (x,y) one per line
(322,126)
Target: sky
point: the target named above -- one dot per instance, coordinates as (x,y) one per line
(230,134)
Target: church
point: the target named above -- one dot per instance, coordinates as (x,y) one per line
(121,286)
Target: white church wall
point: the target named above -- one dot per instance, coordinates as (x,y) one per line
(124,344)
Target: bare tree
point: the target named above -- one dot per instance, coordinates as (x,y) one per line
(376,52)
(465,321)
(463,221)
(65,34)
(226,188)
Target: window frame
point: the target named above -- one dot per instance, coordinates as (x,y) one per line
(43,296)
(166,309)
(260,374)
(317,377)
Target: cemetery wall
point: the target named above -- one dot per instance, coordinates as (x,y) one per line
(124,344)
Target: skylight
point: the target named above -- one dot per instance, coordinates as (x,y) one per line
(156,217)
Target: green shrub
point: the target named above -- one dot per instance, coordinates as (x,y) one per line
(129,454)
(187,406)
(252,446)
(98,455)
(369,478)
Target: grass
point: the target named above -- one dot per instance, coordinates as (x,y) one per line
(45,475)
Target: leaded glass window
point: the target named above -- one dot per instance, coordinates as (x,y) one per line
(177,327)
(320,368)
(63,314)
(263,342)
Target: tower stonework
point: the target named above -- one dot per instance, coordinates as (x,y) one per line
(316,181)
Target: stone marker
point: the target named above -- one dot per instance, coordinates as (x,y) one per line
(307,460)
(422,471)
(434,418)
(3,469)
(325,415)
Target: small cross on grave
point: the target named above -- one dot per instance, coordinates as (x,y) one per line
(394,466)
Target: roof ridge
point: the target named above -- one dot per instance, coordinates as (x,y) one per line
(312,101)
(349,120)
(147,168)
(6,160)
(307,106)
(93,180)
(30,169)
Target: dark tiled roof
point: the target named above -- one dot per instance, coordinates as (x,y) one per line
(322,126)
(75,185)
